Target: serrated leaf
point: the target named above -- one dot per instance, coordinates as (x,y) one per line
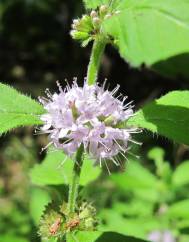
(181,174)
(17,109)
(98,236)
(52,172)
(150,31)
(167,116)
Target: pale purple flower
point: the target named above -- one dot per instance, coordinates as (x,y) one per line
(161,236)
(88,115)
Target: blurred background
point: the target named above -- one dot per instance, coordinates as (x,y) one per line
(35,51)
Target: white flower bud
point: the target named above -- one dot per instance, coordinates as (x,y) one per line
(76,21)
(96,21)
(107,16)
(93,14)
(103,9)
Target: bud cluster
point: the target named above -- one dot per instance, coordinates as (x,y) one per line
(57,222)
(86,28)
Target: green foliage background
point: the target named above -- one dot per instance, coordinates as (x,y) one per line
(35,51)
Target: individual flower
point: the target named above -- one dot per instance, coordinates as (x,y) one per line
(161,236)
(88,115)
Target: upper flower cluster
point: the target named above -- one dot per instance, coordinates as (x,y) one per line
(87,115)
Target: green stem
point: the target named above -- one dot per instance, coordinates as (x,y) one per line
(74,185)
(94,64)
(97,51)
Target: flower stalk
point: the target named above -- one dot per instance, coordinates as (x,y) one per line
(74,185)
(95,59)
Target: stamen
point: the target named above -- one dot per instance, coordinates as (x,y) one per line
(114,161)
(104,84)
(124,156)
(100,162)
(50,143)
(135,142)
(59,86)
(119,145)
(62,162)
(107,167)
(113,92)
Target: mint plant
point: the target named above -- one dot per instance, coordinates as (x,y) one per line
(92,125)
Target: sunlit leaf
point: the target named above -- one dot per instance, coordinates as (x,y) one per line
(150,31)
(57,169)
(17,109)
(167,116)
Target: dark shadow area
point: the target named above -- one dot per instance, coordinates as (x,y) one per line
(175,67)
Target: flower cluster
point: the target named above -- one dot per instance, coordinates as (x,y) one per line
(88,115)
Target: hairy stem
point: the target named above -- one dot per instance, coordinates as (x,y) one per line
(74,185)
(94,64)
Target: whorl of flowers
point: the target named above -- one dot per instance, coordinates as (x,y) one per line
(88,115)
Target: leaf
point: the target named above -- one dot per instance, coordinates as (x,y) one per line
(184,238)
(179,209)
(181,174)
(167,116)
(137,179)
(39,198)
(17,109)
(150,31)
(137,207)
(135,226)
(12,238)
(52,172)
(93,4)
(157,154)
(98,236)
(163,168)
